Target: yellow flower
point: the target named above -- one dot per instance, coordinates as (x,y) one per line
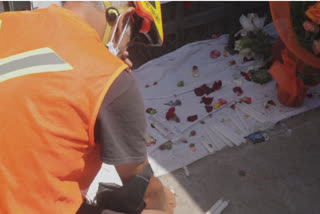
(313,13)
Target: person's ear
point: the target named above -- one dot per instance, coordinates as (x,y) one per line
(124,17)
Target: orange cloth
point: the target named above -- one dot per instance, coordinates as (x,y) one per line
(47,150)
(291,90)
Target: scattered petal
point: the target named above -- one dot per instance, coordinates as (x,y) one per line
(192,118)
(167,145)
(217,105)
(238,91)
(209,108)
(199,92)
(246,75)
(162,146)
(233,106)
(206,100)
(222,101)
(217,85)
(150,140)
(147,86)
(214,54)
(176,118)
(155,83)
(180,84)
(193,133)
(246,115)
(193,147)
(170,113)
(247,100)
(203,89)
(151,111)
(225,53)
(232,62)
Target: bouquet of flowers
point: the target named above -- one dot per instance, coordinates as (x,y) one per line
(305,18)
(252,43)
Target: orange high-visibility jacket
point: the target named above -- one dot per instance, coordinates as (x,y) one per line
(54,74)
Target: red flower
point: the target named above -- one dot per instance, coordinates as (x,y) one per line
(310,27)
(316,47)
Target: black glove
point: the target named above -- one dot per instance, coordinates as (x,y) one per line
(125,199)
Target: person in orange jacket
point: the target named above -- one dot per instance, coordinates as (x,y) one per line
(70,104)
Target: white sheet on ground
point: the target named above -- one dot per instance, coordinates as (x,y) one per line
(225,127)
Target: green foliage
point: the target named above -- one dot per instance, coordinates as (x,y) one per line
(309,79)
(260,76)
(259,43)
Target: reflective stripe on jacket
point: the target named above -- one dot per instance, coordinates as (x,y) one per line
(54,74)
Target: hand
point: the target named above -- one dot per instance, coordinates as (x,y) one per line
(159,197)
(170,199)
(124,56)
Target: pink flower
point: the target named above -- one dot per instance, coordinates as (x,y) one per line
(310,27)
(316,47)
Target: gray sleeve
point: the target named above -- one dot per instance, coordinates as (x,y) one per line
(121,125)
